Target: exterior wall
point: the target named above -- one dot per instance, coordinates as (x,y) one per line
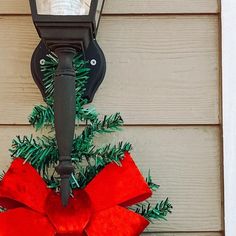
(163,76)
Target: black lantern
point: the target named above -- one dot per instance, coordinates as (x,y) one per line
(67,27)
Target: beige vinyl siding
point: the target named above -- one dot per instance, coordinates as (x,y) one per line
(130,6)
(160,69)
(163,75)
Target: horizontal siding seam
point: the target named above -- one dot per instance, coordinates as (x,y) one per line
(134,125)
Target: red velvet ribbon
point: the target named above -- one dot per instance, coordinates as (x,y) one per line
(98,210)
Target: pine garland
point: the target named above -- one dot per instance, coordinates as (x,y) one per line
(88,158)
(42,152)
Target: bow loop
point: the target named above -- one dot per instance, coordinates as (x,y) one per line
(118,185)
(24,185)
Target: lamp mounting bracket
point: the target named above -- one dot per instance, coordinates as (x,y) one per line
(96,63)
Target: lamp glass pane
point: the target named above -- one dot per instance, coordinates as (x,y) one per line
(99,11)
(63,7)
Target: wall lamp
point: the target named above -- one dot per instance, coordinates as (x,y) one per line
(67,27)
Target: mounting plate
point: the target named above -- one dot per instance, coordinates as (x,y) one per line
(97,64)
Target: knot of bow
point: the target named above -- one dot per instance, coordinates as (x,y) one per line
(100,209)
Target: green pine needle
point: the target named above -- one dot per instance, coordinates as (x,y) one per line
(158,212)
(49,70)
(109,124)
(42,154)
(42,116)
(150,182)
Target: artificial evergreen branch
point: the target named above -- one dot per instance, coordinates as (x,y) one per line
(49,67)
(159,212)
(42,154)
(150,182)
(98,158)
(87,169)
(43,115)
(109,124)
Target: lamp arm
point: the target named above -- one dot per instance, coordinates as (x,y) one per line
(65,112)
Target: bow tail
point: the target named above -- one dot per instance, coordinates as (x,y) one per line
(24,222)
(117,221)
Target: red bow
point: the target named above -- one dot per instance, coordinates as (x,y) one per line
(98,210)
